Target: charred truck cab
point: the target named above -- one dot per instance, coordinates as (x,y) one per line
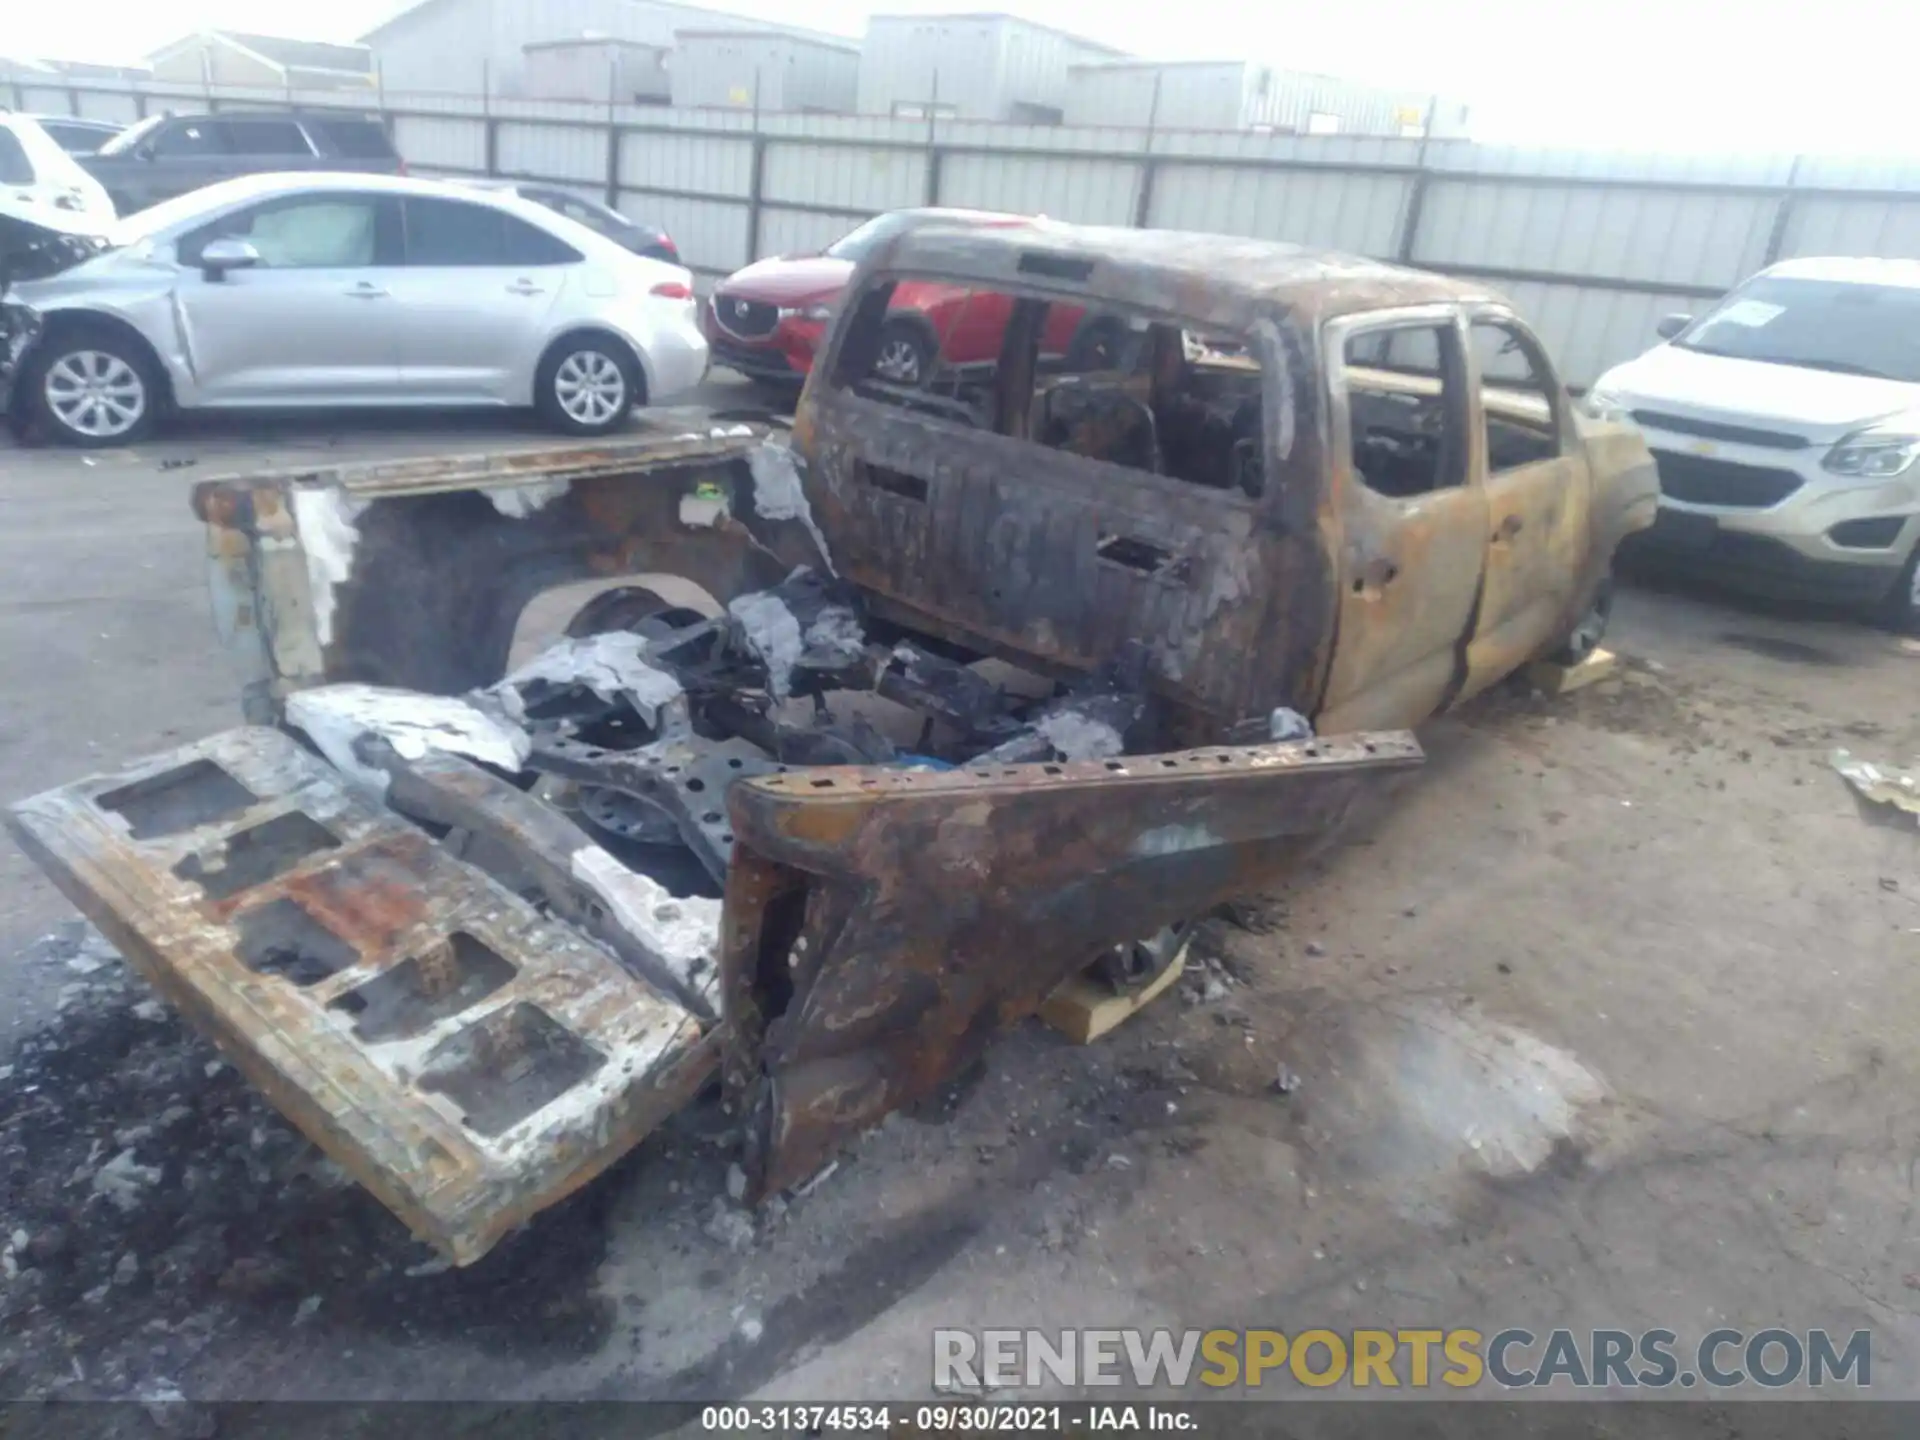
(858,741)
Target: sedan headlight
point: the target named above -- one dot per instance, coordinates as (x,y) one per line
(806,312)
(1873,454)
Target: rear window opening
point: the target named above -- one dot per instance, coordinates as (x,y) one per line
(1104,384)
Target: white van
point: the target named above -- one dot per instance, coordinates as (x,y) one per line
(1786,426)
(36,174)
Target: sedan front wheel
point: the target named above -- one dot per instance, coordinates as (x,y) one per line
(94,389)
(587,385)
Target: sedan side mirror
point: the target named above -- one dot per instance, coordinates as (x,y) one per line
(1672,325)
(143,151)
(225,253)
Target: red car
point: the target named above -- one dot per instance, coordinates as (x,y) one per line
(767,320)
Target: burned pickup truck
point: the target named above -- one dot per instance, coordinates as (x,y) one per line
(855,742)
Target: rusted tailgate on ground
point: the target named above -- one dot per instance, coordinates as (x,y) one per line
(466,1058)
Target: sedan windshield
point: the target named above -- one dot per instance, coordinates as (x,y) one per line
(1854,329)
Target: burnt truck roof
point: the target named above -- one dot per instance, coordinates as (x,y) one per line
(1203,276)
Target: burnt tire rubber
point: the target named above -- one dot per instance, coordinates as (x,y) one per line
(588,384)
(631,608)
(90,386)
(905,354)
(1589,630)
(1903,601)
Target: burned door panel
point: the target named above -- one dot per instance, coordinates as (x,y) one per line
(1411,515)
(1008,546)
(1539,498)
(467,1059)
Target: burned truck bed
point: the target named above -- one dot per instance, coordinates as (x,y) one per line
(477,919)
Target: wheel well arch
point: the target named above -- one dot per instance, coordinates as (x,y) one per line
(604,332)
(59,324)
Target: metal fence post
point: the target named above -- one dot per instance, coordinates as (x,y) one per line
(1417,192)
(490,127)
(1782,215)
(934,157)
(1143,201)
(756,177)
(614,136)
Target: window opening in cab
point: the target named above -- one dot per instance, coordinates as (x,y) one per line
(1516,397)
(1404,393)
(1102,384)
(930,347)
(1167,399)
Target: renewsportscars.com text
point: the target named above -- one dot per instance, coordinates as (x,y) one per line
(1511,1359)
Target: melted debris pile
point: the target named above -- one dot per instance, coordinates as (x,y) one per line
(151,1202)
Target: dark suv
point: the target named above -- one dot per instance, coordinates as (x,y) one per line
(168,155)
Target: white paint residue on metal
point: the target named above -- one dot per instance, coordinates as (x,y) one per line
(772,634)
(778,493)
(836,631)
(416,725)
(683,931)
(516,502)
(1079,737)
(1173,839)
(611,664)
(324,518)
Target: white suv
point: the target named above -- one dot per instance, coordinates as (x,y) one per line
(37,175)
(1786,427)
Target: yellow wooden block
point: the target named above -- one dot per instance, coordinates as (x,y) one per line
(1565,679)
(1083,1010)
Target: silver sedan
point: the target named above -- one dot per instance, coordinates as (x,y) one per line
(354,290)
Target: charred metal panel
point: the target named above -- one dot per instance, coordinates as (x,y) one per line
(882,926)
(414,574)
(466,1058)
(1061,562)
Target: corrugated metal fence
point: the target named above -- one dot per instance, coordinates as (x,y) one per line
(1593,246)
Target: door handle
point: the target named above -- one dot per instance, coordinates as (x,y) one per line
(526,287)
(1509,527)
(1375,575)
(367,290)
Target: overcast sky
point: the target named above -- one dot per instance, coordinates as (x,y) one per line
(1837,76)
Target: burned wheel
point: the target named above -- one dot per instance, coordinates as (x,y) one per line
(1589,630)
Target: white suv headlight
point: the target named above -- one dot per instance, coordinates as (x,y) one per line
(1605,403)
(1873,454)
